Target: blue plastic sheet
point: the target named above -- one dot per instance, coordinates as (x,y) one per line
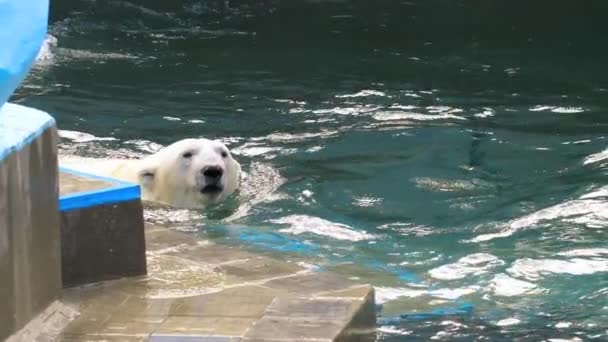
(23,25)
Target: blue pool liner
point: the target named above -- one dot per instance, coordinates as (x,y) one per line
(401,273)
(464,309)
(277,242)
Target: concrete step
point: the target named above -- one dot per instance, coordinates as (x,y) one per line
(194,290)
(102,229)
(200,291)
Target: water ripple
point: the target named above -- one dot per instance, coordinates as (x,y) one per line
(536,269)
(300,224)
(470,265)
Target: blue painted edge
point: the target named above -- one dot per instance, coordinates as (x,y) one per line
(6,125)
(121,192)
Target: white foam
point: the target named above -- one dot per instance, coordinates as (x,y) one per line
(441,335)
(364,93)
(259,185)
(403,115)
(452,294)
(255,150)
(81,137)
(306,197)
(487,112)
(508,322)
(596,157)
(568,110)
(505,286)
(314,149)
(539,108)
(535,269)
(301,103)
(589,212)
(408,107)
(404,228)
(443,109)
(556,109)
(67,54)
(354,110)
(452,324)
(165,215)
(474,264)
(300,224)
(145,145)
(289,137)
(394,330)
(586,252)
(387,294)
(367,201)
(601,192)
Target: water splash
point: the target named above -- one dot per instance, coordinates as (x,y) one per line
(301,224)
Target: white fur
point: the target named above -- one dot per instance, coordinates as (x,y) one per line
(169,176)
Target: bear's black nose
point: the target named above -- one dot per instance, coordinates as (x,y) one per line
(213,172)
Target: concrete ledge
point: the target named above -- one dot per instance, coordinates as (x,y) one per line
(102,229)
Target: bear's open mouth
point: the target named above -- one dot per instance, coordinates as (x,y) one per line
(211,189)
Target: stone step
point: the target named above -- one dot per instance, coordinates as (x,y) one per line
(195,290)
(102,229)
(200,291)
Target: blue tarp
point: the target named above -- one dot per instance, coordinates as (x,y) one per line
(23,26)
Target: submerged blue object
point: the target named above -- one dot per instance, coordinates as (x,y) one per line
(464,309)
(277,242)
(23,25)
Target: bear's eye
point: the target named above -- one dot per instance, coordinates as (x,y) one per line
(224,154)
(187,155)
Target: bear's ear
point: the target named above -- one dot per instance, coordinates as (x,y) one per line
(146,178)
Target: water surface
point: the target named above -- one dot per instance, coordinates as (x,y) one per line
(452,155)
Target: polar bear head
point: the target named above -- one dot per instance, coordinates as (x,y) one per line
(190,173)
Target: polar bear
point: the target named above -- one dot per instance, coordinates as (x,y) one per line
(190,173)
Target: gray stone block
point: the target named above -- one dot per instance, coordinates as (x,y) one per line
(102,242)
(29,231)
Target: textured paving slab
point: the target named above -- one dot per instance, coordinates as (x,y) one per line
(199,291)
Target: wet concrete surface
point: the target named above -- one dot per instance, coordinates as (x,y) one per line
(71,183)
(196,290)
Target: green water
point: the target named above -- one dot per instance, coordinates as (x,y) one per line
(450,153)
